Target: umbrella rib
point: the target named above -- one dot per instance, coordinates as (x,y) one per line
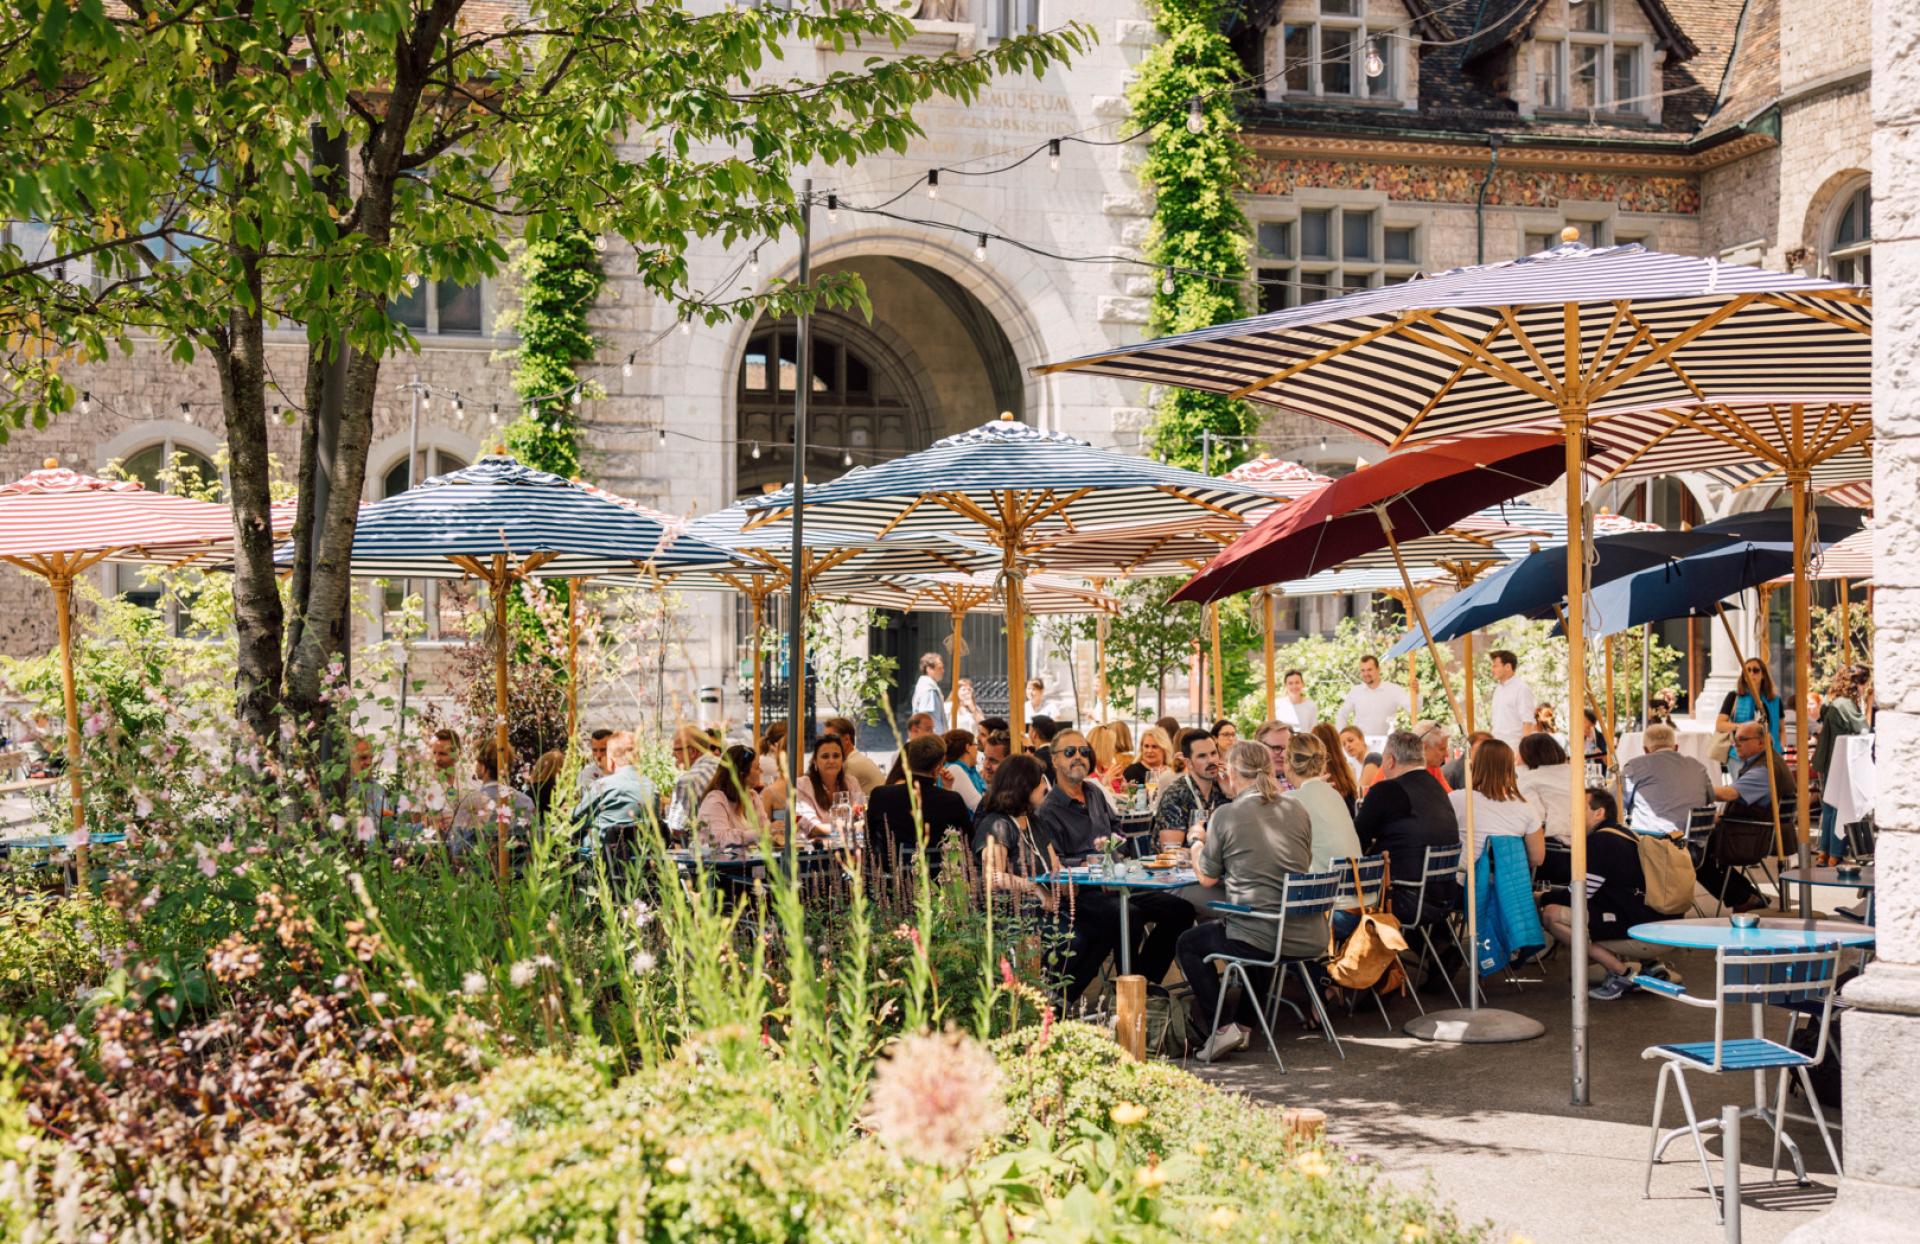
(1174,491)
(1547,377)
(1621,315)
(1785,304)
(1635,456)
(1618,360)
(1324,356)
(1853,438)
(1492,364)
(1440,394)
(1665,350)
(1672,366)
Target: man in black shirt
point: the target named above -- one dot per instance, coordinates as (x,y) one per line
(1405,812)
(1079,819)
(890,811)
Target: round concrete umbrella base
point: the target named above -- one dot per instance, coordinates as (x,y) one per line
(1486,1026)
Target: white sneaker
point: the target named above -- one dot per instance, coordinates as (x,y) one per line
(1226,1039)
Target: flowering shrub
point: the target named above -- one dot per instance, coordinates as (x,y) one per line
(52,950)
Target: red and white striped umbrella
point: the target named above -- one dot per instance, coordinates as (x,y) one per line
(54,517)
(1279,477)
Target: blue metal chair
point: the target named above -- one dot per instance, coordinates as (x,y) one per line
(1305,896)
(1439,864)
(1370,892)
(1796,976)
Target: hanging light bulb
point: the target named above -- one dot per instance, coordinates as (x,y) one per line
(1053,155)
(833,209)
(846,457)
(756,451)
(1166,282)
(933,183)
(186,411)
(1375,66)
(1323,444)
(86,403)
(663,434)
(626,368)
(493,416)
(980,247)
(576,397)
(686,326)
(1196,120)
(753,263)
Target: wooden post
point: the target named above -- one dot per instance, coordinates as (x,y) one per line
(1219,674)
(1016,646)
(1130,1016)
(1266,602)
(62,581)
(1802,662)
(953,696)
(1413,681)
(1846,623)
(1466,654)
(503,748)
(1607,714)
(573,664)
(757,618)
(1304,1123)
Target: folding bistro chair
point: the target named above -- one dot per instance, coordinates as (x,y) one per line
(1797,976)
(1440,864)
(1370,892)
(1305,896)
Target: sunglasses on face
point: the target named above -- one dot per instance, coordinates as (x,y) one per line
(1076,751)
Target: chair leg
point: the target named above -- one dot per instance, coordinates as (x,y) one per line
(1382,1004)
(1699,1145)
(1820,1117)
(1326,1024)
(1260,1014)
(1426,935)
(1220,999)
(1653,1140)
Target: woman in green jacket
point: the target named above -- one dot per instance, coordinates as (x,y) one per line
(1845,713)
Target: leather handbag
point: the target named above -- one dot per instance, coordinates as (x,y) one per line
(1370,958)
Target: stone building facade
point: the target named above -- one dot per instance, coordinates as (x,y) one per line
(1387,137)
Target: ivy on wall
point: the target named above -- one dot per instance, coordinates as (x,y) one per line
(1197,226)
(560,279)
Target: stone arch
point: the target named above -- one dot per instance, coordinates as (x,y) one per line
(390,451)
(1823,205)
(150,432)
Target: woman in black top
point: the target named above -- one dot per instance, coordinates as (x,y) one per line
(1015,847)
(1616,893)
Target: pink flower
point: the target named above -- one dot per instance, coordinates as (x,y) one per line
(336,823)
(936,1098)
(366,829)
(226,845)
(95,725)
(208,865)
(77,839)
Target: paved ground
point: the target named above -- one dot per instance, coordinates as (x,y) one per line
(1490,1128)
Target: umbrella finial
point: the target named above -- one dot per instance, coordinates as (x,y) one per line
(1006,416)
(1570,234)
(51,463)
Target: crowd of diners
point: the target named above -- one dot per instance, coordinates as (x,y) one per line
(1303,793)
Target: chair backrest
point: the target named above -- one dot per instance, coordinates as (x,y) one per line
(1311,894)
(1700,823)
(1368,891)
(1439,864)
(1794,976)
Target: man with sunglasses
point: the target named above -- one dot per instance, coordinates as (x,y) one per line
(1078,817)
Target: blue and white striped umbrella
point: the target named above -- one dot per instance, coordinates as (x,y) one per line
(1499,346)
(545,527)
(1008,476)
(828,556)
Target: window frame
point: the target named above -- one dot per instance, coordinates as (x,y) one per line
(1334,272)
(167,605)
(1363,29)
(1556,96)
(433,451)
(431,300)
(1858,254)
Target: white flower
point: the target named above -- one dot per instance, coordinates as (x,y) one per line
(521,973)
(436,799)
(473,984)
(321,1021)
(337,823)
(935,1098)
(643,963)
(142,806)
(640,913)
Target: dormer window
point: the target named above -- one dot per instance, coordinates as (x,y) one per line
(1590,69)
(1334,54)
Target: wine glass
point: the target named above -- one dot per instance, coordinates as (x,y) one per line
(842,816)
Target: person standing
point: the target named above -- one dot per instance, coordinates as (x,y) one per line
(1843,714)
(1374,703)
(1295,708)
(1248,848)
(1740,706)
(926,693)
(1513,703)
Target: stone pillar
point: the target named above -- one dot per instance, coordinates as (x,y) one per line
(1880,1196)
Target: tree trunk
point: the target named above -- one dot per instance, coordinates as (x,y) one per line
(303,516)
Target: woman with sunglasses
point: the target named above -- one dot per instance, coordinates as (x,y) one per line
(1740,704)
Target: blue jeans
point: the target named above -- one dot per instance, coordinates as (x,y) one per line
(1833,841)
(1344,923)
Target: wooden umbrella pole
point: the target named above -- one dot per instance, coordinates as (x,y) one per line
(1846,624)
(62,582)
(1466,652)
(1607,714)
(573,663)
(1573,417)
(1413,678)
(1016,648)
(503,748)
(1219,674)
(1753,689)
(1802,665)
(1266,601)
(953,697)
(757,618)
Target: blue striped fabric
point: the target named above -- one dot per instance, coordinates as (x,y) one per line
(1779,336)
(499,506)
(858,558)
(1057,481)
(1747,1054)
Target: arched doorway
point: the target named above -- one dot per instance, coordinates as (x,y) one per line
(930,361)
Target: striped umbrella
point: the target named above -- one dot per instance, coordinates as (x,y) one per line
(1014,486)
(1577,331)
(500,521)
(1277,476)
(57,524)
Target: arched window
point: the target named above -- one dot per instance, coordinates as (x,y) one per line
(855,408)
(165,466)
(445,602)
(1850,243)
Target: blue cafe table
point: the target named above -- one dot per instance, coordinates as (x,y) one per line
(1718,933)
(1124,882)
(1830,876)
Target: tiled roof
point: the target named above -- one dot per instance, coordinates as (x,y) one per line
(1750,80)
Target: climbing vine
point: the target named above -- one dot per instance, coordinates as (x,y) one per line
(559,280)
(1197,227)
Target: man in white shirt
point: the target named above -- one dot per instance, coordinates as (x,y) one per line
(926,693)
(1296,709)
(1373,704)
(1512,698)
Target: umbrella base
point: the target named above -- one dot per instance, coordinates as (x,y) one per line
(1485,1026)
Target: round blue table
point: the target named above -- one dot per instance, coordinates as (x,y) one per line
(1830,876)
(1780,933)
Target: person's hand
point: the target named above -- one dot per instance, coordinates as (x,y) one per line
(1049,901)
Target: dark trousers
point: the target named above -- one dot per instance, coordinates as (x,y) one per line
(1192,949)
(1155,923)
(1081,944)
(1712,876)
